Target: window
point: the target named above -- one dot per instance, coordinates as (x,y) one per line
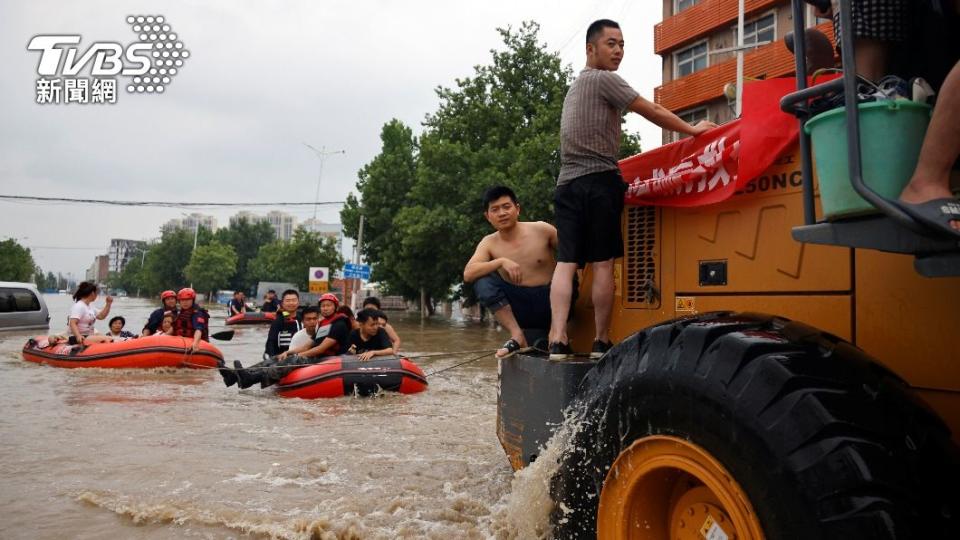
(690,60)
(18,300)
(758,30)
(680,5)
(691,117)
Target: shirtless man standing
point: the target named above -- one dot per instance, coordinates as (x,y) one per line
(512,268)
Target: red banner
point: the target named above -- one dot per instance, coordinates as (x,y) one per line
(712,167)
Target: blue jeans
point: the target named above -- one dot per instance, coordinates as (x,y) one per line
(530,305)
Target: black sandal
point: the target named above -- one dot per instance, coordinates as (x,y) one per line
(936,214)
(512,346)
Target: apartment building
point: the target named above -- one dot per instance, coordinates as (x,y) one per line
(699,71)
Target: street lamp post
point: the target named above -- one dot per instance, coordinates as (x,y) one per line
(322,154)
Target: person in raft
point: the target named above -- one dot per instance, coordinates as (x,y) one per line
(117,333)
(270,302)
(168,304)
(285,325)
(237,305)
(166,324)
(372,302)
(302,340)
(331,339)
(588,200)
(369,339)
(512,267)
(192,320)
(83,316)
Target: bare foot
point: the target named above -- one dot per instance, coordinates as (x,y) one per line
(918,192)
(511,346)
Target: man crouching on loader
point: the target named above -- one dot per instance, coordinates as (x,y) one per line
(512,267)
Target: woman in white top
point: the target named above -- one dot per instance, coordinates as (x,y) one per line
(83,315)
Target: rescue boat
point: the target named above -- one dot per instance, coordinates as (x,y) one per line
(344,376)
(252,317)
(146,352)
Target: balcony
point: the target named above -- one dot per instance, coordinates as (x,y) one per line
(695,22)
(773,60)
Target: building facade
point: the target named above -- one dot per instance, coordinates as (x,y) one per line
(99,270)
(190,223)
(122,251)
(699,76)
(283,224)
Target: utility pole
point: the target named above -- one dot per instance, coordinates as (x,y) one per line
(322,155)
(739,105)
(356,260)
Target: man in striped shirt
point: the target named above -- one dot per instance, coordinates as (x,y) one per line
(286,324)
(589,197)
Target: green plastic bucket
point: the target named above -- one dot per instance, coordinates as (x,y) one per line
(891,133)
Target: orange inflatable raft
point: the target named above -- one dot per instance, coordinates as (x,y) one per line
(344,376)
(146,352)
(252,317)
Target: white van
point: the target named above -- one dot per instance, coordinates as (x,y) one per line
(22,307)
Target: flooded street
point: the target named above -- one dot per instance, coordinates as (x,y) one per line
(91,453)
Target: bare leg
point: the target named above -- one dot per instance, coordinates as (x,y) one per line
(941,146)
(506,319)
(871,56)
(90,340)
(561,290)
(602,298)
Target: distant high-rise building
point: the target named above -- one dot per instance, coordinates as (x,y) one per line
(190,223)
(121,251)
(331,230)
(248,216)
(283,224)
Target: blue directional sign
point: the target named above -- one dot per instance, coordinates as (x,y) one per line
(356,271)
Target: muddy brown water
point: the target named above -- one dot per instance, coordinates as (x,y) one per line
(94,453)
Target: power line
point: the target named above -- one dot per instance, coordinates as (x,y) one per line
(162,204)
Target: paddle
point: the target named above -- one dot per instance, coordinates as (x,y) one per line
(226,335)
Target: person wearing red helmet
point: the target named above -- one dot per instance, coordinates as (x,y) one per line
(332,338)
(168,300)
(192,320)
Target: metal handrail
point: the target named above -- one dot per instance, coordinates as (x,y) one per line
(795,103)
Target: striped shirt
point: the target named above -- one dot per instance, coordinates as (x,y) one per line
(590,123)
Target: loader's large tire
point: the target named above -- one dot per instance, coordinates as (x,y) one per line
(820,441)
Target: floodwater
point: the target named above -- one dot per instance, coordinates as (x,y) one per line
(93,453)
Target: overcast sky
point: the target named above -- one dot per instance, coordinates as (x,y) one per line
(262,78)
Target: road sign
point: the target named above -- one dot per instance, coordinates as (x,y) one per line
(319,287)
(356,271)
(319,273)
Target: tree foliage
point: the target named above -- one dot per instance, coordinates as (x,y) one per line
(16,262)
(167,259)
(246,238)
(211,267)
(291,261)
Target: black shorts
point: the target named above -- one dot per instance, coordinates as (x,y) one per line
(588,212)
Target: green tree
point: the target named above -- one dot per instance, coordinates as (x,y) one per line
(384,185)
(246,238)
(211,267)
(166,260)
(16,262)
(291,261)
(500,126)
